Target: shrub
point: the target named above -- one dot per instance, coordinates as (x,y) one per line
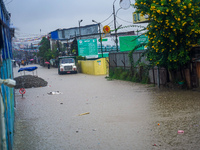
(124,75)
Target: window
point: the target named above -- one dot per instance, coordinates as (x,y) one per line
(138,16)
(135,17)
(67,60)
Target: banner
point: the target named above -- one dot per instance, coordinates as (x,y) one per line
(88,48)
(31,39)
(127,43)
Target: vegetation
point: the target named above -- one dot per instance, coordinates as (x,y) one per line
(140,74)
(44,50)
(47,54)
(74,48)
(80,58)
(174,27)
(58,50)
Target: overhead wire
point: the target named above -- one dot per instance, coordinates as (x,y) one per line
(117,11)
(106,19)
(110,22)
(117,23)
(9,2)
(124,20)
(119,27)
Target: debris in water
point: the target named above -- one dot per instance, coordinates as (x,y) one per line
(180,131)
(158,124)
(61,103)
(84,114)
(53,93)
(154,145)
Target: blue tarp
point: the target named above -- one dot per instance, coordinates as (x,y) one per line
(28,69)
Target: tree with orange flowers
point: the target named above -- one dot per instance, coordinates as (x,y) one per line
(173,29)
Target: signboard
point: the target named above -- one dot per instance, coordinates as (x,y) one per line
(88,48)
(105,54)
(103,40)
(128,43)
(22,91)
(106,29)
(138,18)
(108,44)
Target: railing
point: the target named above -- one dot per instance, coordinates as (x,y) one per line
(121,60)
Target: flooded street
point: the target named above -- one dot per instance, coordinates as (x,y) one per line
(92,113)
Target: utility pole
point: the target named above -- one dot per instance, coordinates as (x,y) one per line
(100,36)
(79,22)
(124,4)
(116,39)
(100,39)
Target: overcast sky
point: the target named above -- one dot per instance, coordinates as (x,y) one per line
(29,16)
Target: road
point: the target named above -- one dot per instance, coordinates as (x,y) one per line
(119,115)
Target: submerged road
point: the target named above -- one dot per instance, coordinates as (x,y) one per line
(91,113)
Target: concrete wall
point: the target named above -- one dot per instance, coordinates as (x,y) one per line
(93,67)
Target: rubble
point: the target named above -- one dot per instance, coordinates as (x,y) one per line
(29,81)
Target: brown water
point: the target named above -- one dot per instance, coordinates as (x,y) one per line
(122,115)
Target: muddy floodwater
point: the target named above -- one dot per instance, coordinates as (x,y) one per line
(86,112)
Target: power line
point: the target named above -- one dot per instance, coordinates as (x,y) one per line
(118,10)
(9,2)
(124,20)
(110,22)
(117,23)
(107,18)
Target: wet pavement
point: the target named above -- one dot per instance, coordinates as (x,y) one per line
(86,112)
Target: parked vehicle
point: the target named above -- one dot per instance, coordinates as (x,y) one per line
(67,64)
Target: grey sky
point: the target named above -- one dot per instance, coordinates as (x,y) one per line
(29,16)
